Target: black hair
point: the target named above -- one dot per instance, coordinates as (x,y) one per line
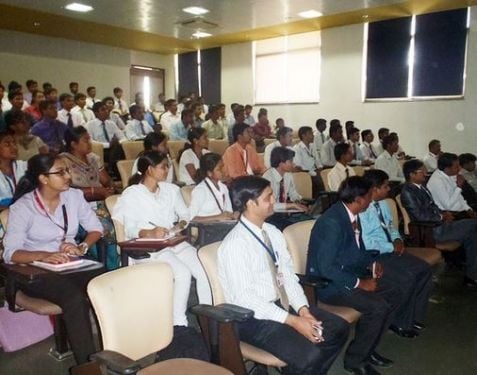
(238,110)
(30,82)
(233,105)
(433,143)
(446,160)
(193,134)
(388,140)
(153,139)
(239,129)
(37,165)
(352,188)
(105,99)
(49,90)
(46,85)
(335,127)
(365,133)
(97,106)
(320,121)
(34,94)
(14,86)
(5,133)
(117,89)
(73,135)
(248,106)
(279,119)
(89,88)
(134,109)
(282,132)
(341,149)
(208,162)
(64,96)
(79,96)
(280,155)
(12,94)
(73,84)
(146,160)
(335,122)
(303,130)
(411,166)
(186,112)
(463,158)
(382,131)
(13,117)
(377,177)
(168,102)
(353,130)
(246,188)
(45,104)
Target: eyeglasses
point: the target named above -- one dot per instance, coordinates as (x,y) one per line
(61,172)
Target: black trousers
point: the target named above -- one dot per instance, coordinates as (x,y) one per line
(69,292)
(302,356)
(377,312)
(414,277)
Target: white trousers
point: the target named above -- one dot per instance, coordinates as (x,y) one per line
(185,263)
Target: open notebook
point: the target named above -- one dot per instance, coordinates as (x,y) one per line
(73,264)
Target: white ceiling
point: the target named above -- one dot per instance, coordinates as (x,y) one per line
(161,16)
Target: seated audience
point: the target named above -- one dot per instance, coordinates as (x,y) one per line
(113,114)
(446,185)
(213,125)
(249,120)
(367,148)
(341,171)
(337,253)
(348,126)
(148,208)
(170,116)
(137,128)
(189,158)
(74,88)
(419,204)
(66,115)
(308,159)
(11,169)
(256,272)
(327,153)
(159,106)
(240,158)
(358,156)
(119,103)
(197,115)
(179,130)
(46,215)
(222,119)
(382,133)
(284,139)
(34,109)
(49,129)
(86,113)
(411,274)
(210,198)
(102,129)
(279,124)
(91,98)
(319,135)
(387,160)
(238,116)
(89,175)
(156,142)
(430,159)
(27,144)
(468,170)
(52,95)
(31,86)
(261,130)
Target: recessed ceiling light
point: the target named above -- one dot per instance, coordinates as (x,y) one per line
(201,34)
(310,14)
(77,7)
(196,11)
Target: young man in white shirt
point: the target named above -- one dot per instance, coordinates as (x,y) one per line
(86,114)
(468,169)
(430,159)
(159,106)
(358,156)
(91,99)
(382,133)
(284,139)
(213,125)
(137,128)
(327,153)
(119,103)
(387,161)
(113,115)
(366,147)
(256,272)
(248,115)
(341,171)
(66,115)
(308,159)
(446,185)
(103,130)
(320,136)
(171,116)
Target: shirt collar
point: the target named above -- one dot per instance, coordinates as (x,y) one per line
(251,225)
(352,217)
(276,175)
(340,166)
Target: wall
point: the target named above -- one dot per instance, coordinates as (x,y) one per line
(60,61)
(340,91)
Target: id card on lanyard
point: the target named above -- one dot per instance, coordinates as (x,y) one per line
(43,210)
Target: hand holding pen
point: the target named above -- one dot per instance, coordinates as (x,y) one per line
(158,232)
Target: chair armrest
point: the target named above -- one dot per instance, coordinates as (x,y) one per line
(425,224)
(116,362)
(239,313)
(313,281)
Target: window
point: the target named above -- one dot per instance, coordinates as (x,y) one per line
(287,69)
(417,57)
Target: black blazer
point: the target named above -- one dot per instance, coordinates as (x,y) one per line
(419,204)
(334,254)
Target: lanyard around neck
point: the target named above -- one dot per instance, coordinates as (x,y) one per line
(215,197)
(265,246)
(45,212)
(12,182)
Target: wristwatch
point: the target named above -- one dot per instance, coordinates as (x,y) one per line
(84,247)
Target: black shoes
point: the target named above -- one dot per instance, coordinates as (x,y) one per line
(404,333)
(378,360)
(419,326)
(365,369)
(470,283)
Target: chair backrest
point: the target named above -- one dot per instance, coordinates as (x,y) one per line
(405,215)
(208,258)
(118,227)
(394,212)
(267,141)
(125,171)
(297,237)
(303,184)
(324,176)
(295,141)
(218,146)
(174,148)
(359,170)
(98,149)
(134,308)
(186,192)
(4,218)
(132,149)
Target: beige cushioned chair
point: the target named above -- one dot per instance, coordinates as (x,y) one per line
(125,171)
(134,310)
(132,149)
(303,184)
(218,146)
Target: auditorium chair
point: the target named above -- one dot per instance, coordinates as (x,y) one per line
(186,192)
(218,146)
(328,198)
(132,149)
(125,171)
(98,149)
(175,147)
(303,184)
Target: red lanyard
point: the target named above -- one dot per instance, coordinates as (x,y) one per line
(44,211)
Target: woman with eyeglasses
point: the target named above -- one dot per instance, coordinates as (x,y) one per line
(149,208)
(42,225)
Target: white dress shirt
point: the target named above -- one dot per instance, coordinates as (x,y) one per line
(327,153)
(159,107)
(307,158)
(446,193)
(358,155)
(389,164)
(319,140)
(75,117)
(378,149)
(430,162)
(86,114)
(245,275)
(114,117)
(95,130)
(189,157)
(268,152)
(135,131)
(274,177)
(90,102)
(207,200)
(337,175)
(167,119)
(368,151)
(470,177)
(123,107)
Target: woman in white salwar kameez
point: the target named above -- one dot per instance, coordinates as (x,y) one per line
(148,208)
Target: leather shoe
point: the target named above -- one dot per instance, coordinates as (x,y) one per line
(405,333)
(365,369)
(470,283)
(378,360)
(419,326)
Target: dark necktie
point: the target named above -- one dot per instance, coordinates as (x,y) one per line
(70,120)
(372,152)
(383,223)
(282,197)
(355,151)
(143,131)
(347,172)
(120,105)
(322,138)
(105,132)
